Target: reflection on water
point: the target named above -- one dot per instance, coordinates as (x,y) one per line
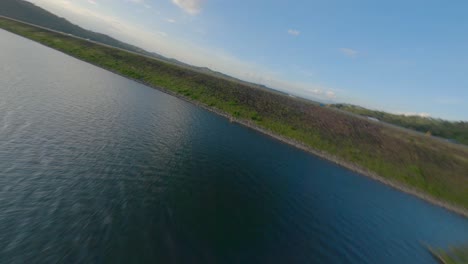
(97,168)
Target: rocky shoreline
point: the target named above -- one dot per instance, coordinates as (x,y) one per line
(353,167)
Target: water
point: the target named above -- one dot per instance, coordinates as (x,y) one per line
(98,168)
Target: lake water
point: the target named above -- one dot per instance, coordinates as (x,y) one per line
(98,168)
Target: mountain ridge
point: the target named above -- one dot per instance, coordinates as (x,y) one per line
(28,12)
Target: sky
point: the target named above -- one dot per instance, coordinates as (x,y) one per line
(400,56)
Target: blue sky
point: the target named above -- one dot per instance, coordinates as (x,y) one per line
(406,57)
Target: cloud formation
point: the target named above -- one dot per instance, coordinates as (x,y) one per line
(351,53)
(173,47)
(192,7)
(294,32)
(317,91)
(140,2)
(426,115)
(331,94)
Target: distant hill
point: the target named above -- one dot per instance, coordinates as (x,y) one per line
(30,13)
(456,132)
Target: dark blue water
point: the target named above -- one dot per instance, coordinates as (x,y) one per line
(98,168)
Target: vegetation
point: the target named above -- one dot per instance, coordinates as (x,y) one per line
(452,256)
(28,12)
(453,131)
(437,168)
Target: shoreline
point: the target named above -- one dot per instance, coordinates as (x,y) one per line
(461,211)
(299,145)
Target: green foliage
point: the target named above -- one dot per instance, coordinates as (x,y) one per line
(256,117)
(435,167)
(453,131)
(454,255)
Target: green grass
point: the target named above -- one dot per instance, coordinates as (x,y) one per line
(437,168)
(454,131)
(454,255)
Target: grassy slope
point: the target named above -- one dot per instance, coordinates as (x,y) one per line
(452,256)
(457,131)
(436,168)
(28,12)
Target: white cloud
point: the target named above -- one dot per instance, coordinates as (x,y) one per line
(294,32)
(426,115)
(170,20)
(349,52)
(331,94)
(317,91)
(192,7)
(93,2)
(155,40)
(140,2)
